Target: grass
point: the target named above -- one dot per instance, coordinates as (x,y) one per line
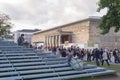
(111,67)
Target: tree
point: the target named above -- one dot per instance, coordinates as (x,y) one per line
(5,24)
(112,17)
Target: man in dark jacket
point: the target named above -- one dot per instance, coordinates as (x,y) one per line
(97,57)
(21,40)
(115,54)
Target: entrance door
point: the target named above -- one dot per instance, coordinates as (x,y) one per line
(65,38)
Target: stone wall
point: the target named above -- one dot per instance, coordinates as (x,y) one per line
(83,32)
(110,40)
(80,32)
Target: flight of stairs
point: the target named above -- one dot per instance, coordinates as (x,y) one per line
(20,63)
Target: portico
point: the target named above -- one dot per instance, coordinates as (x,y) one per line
(55,40)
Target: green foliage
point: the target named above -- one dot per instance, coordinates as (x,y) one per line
(5,23)
(112,18)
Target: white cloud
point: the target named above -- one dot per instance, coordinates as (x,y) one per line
(12,1)
(44,14)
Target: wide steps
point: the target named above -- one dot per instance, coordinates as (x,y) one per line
(52,74)
(21,57)
(20,63)
(17,52)
(25,60)
(8,69)
(16,49)
(41,71)
(31,74)
(41,67)
(79,75)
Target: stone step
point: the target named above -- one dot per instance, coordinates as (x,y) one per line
(44,75)
(53,59)
(7,44)
(20,63)
(11,46)
(22,57)
(29,64)
(47,62)
(79,75)
(12,78)
(5,65)
(25,60)
(12,73)
(25,54)
(20,50)
(4,61)
(17,51)
(7,69)
(41,67)
(14,47)
(33,74)
(41,71)
(8,74)
(89,74)
(48,66)
(17,54)
(3,58)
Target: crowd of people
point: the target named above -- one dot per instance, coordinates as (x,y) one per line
(98,55)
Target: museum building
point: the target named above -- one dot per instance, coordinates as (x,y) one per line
(83,32)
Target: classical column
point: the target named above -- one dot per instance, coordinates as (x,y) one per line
(45,42)
(51,41)
(59,40)
(57,37)
(55,40)
(48,41)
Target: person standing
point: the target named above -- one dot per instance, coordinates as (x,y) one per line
(97,57)
(21,40)
(115,54)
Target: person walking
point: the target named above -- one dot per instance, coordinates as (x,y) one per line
(105,57)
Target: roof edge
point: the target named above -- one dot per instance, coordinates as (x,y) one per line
(64,25)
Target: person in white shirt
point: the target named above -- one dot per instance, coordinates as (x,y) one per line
(105,57)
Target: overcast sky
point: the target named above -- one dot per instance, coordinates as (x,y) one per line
(44,14)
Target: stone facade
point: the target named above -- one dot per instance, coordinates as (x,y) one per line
(83,31)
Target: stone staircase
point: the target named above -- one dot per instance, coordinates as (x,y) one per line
(19,63)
